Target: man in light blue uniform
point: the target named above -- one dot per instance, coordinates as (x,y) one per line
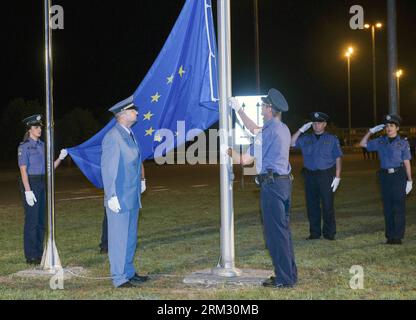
(322,172)
(395,175)
(271,152)
(121,171)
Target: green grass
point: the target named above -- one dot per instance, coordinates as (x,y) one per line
(179,234)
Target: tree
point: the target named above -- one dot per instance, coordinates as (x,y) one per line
(75,127)
(13,127)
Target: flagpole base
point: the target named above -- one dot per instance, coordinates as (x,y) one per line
(226,272)
(50,259)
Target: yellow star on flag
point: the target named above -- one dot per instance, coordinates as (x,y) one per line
(158,138)
(181,71)
(148,116)
(170,79)
(156,97)
(150,131)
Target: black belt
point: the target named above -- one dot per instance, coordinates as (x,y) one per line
(391,170)
(316,172)
(270,177)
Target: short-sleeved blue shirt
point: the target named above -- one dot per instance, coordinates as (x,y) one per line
(31,154)
(391,154)
(319,154)
(271,148)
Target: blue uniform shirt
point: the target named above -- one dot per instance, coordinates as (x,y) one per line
(392,154)
(271,148)
(319,154)
(31,154)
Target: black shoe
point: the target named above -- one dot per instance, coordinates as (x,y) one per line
(33,261)
(396,242)
(139,279)
(272,284)
(271,280)
(330,238)
(103,251)
(128,284)
(389,241)
(311,237)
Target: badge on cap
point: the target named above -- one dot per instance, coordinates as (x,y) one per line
(388,118)
(316,115)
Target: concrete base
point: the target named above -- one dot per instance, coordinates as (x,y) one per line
(68,273)
(248,277)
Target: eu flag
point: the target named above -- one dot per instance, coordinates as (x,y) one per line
(181,85)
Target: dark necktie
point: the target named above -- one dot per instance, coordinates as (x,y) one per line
(132,136)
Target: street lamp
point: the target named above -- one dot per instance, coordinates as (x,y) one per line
(399,74)
(373,28)
(348,54)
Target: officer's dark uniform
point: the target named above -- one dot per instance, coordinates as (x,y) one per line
(392,175)
(319,155)
(32,155)
(271,150)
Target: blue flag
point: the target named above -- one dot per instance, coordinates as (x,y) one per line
(182,85)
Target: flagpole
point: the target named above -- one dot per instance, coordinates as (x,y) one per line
(392,54)
(227,268)
(50,259)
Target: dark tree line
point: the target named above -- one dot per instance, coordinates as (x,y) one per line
(73,128)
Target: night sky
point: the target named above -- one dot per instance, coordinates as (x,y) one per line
(107,47)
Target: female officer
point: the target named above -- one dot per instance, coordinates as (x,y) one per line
(395,175)
(31,160)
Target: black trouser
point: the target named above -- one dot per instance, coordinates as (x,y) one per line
(393,191)
(34,228)
(318,189)
(104,233)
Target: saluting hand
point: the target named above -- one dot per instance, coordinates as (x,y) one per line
(30,198)
(306,127)
(377,128)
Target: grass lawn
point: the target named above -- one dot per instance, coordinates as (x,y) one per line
(179,233)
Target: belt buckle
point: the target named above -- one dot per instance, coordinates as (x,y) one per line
(391,171)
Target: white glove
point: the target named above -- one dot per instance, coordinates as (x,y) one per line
(224,150)
(63,154)
(306,127)
(30,198)
(335,184)
(377,128)
(409,187)
(114,205)
(143,188)
(233,103)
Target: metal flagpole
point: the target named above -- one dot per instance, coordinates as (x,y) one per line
(50,259)
(256,44)
(227,268)
(392,54)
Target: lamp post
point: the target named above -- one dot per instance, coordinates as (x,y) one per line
(373,28)
(399,74)
(348,54)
